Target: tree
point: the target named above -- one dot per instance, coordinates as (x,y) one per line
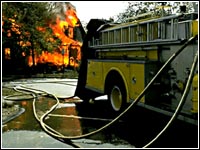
(26,28)
(157,8)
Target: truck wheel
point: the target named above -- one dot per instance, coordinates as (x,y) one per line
(117,96)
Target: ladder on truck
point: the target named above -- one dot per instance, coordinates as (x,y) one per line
(164,30)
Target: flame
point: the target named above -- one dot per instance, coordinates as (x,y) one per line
(41,29)
(71,18)
(62,29)
(7,53)
(24,44)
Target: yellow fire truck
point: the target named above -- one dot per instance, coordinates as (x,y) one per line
(119,60)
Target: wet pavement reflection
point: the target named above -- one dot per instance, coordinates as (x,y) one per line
(135,129)
(64,119)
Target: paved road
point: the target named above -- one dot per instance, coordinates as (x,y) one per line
(135,129)
(24,132)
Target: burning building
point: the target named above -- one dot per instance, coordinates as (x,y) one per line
(68,29)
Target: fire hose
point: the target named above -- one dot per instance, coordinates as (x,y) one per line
(68,139)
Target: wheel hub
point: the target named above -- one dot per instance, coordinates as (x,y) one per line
(116,98)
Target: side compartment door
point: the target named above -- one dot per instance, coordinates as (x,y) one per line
(95,76)
(137,80)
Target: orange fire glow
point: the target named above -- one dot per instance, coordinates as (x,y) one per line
(64,30)
(68,53)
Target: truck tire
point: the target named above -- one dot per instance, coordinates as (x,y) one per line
(117,95)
